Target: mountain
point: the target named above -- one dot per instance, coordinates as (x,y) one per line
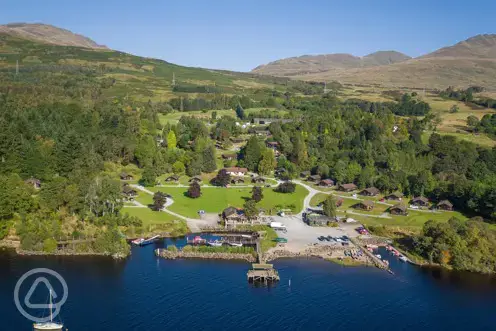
(48,34)
(470,62)
(320,63)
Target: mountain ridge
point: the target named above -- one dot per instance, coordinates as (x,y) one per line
(49,34)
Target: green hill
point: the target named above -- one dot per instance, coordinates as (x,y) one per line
(74,73)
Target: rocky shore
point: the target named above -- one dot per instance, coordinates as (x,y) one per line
(172,255)
(319,251)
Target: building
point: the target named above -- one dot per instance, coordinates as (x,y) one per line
(314,178)
(365,205)
(195,179)
(230,157)
(237,180)
(420,201)
(398,209)
(233,216)
(36,183)
(317,219)
(259,180)
(172,178)
(236,171)
(237,140)
(445,205)
(272,144)
(397,196)
(347,187)
(326,183)
(126,176)
(370,192)
(267,121)
(129,193)
(304,174)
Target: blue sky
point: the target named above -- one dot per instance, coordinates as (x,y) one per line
(239,35)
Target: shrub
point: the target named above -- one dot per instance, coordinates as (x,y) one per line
(49,245)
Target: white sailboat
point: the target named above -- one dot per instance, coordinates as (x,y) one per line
(51,325)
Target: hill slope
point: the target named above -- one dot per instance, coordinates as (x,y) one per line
(320,63)
(48,34)
(470,62)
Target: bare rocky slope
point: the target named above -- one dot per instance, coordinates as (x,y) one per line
(48,34)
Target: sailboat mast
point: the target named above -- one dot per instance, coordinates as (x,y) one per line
(51,314)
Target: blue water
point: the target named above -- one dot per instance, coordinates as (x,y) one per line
(149,293)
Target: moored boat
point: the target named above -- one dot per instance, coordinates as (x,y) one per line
(215,243)
(137,241)
(49,325)
(236,244)
(148,241)
(403,258)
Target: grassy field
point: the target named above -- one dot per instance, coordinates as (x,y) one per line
(174,117)
(214,200)
(155,222)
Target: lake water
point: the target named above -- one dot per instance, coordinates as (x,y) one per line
(149,293)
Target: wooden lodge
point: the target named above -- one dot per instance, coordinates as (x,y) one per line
(326,183)
(398,209)
(347,187)
(397,196)
(272,144)
(126,176)
(420,201)
(370,192)
(304,174)
(445,205)
(36,183)
(365,205)
(172,178)
(129,193)
(314,178)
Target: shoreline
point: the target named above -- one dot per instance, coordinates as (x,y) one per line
(172,255)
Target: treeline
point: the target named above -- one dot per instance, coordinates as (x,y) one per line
(467,95)
(486,125)
(469,245)
(406,105)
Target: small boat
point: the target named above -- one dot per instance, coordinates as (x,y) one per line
(138,241)
(148,241)
(281,240)
(246,236)
(215,243)
(378,256)
(403,258)
(236,244)
(50,325)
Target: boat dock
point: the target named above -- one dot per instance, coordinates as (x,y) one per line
(262,273)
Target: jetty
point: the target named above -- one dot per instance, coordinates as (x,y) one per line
(262,273)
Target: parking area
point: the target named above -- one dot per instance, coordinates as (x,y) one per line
(299,234)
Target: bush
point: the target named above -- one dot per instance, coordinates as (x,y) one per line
(172,248)
(49,245)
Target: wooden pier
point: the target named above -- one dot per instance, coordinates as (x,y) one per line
(262,273)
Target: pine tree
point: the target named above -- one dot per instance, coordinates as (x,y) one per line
(159,200)
(257,193)
(252,153)
(171,140)
(329,206)
(267,163)
(194,190)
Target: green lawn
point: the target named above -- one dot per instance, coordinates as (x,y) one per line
(214,200)
(155,222)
